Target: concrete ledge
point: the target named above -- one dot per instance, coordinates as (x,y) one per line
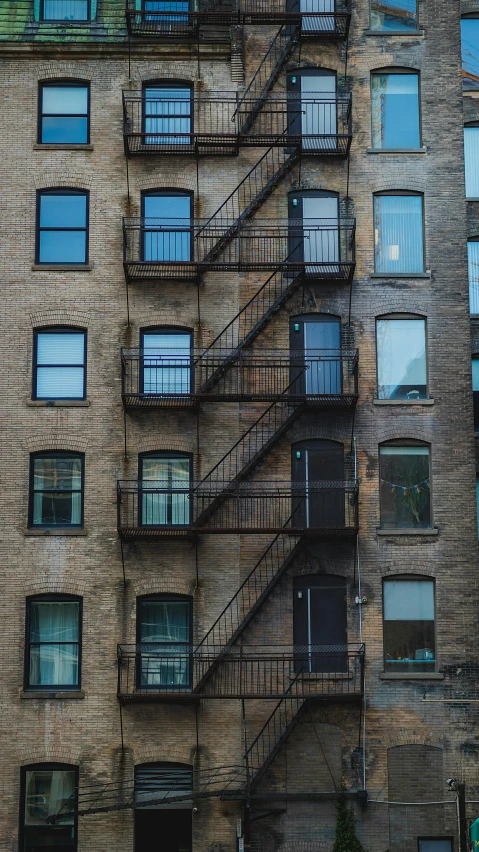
(58,146)
(387,275)
(403,402)
(393,533)
(61,267)
(58,403)
(51,532)
(76,694)
(411,676)
(396,150)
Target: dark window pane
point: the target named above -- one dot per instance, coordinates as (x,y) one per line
(393,15)
(65,10)
(395,111)
(54,621)
(401,350)
(409,643)
(435,844)
(404,487)
(398,237)
(165,499)
(64,130)
(49,793)
(57,491)
(164,628)
(470,53)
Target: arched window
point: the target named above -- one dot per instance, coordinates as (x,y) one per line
(167,362)
(405,485)
(163,804)
(409,635)
(401,357)
(64,112)
(167,114)
(320,623)
(62,226)
(394,16)
(48,817)
(164,627)
(398,233)
(470,52)
(59,363)
(165,489)
(53,643)
(167,234)
(395,109)
(56,489)
(318,484)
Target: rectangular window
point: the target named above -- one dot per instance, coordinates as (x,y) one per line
(473,274)
(164,637)
(395,110)
(64,114)
(167,228)
(56,490)
(165,484)
(65,10)
(475,392)
(470,53)
(166,10)
(166,363)
(62,227)
(53,644)
(409,640)
(394,15)
(167,115)
(471,161)
(59,364)
(405,495)
(401,352)
(398,234)
(48,790)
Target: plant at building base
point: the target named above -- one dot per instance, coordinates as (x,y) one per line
(345,840)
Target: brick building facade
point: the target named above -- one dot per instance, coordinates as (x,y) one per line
(238,570)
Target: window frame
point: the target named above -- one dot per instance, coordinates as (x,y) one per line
(162,597)
(67,21)
(401,193)
(402,316)
(468,16)
(58,84)
(435,837)
(169,84)
(58,329)
(411,578)
(296,252)
(390,71)
(32,599)
(167,193)
(59,191)
(469,125)
(170,329)
(395,32)
(406,442)
(163,454)
(55,454)
(32,767)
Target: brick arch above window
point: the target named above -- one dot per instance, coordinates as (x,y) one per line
(170,752)
(58,440)
(423,434)
(50,754)
(184,72)
(173,585)
(53,586)
(157,445)
(66,180)
(409,304)
(61,317)
(157,182)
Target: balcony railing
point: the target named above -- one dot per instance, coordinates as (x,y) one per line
(212,123)
(321,378)
(152,509)
(155,672)
(157,248)
(176,18)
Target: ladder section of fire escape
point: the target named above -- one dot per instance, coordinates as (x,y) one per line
(266,75)
(247,600)
(247,198)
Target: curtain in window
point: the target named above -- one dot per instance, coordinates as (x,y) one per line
(471,161)
(57,491)
(398,233)
(161,506)
(405,487)
(54,638)
(49,792)
(165,628)
(401,350)
(65,381)
(473,272)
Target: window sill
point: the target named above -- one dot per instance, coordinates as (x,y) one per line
(62,146)
(386,275)
(395,33)
(58,403)
(393,533)
(403,401)
(411,676)
(396,150)
(472,199)
(77,694)
(61,267)
(49,531)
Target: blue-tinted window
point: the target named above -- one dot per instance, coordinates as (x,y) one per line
(167,114)
(62,227)
(59,364)
(395,110)
(56,490)
(64,114)
(473,274)
(471,161)
(470,53)
(401,353)
(394,15)
(53,643)
(398,234)
(65,10)
(167,227)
